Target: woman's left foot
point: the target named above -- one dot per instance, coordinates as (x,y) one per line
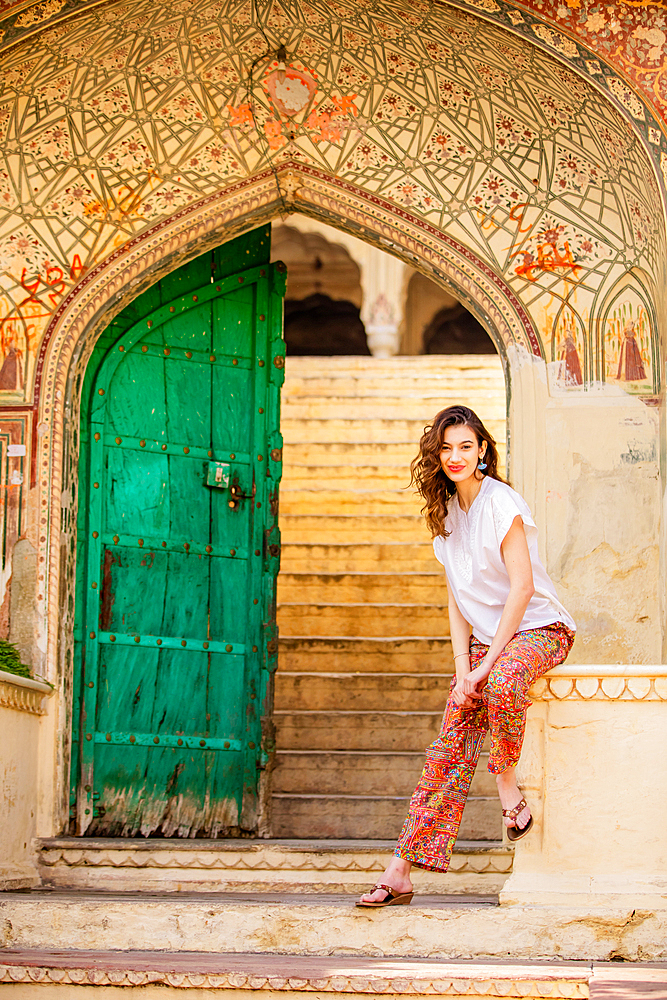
(395,881)
(389,897)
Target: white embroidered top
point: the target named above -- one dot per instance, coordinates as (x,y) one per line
(474,565)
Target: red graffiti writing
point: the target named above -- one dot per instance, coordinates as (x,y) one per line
(274,133)
(20,327)
(241,115)
(550,258)
(515,208)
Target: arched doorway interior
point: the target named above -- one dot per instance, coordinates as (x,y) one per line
(324,296)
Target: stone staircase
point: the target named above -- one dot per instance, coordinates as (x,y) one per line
(364,667)
(365,656)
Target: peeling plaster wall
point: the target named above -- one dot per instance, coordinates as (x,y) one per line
(588,464)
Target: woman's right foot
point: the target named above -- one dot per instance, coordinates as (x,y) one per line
(393,875)
(510,796)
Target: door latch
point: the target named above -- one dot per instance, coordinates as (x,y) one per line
(237,494)
(218,475)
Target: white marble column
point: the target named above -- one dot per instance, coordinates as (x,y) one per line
(382,278)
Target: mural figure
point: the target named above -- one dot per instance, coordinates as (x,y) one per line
(628,344)
(11,377)
(570,367)
(630,365)
(567,350)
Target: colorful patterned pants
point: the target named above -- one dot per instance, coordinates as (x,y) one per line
(431,828)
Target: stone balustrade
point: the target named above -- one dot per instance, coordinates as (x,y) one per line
(593,770)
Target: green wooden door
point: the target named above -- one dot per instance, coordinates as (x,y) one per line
(178,552)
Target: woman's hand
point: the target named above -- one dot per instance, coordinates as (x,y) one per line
(465,693)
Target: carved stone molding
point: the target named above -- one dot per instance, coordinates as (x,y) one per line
(446,984)
(23,694)
(615,682)
(498,860)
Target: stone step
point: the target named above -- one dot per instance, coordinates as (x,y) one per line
(380,817)
(363,620)
(346,477)
(397,588)
(223,925)
(355,655)
(353,430)
(343,730)
(352,773)
(405,385)
(491,408)
(418,365)
(250,866)
(265,922)
(348,455)
(301,502)
(314,453)
(304,557)
(363,692)
(328,529)
(52,975)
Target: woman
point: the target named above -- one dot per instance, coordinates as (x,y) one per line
(507,628)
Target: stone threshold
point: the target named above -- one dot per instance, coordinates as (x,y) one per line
(127,899)
(287,973)
(310,924)
(248,845)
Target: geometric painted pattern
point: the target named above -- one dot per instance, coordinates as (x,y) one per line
(114,121)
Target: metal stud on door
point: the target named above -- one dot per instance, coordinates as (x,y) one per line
(174,602)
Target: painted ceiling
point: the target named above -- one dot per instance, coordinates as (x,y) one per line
(114,120)
(630,36)
(136,108)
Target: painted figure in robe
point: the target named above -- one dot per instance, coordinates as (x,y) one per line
(570,368)
(630,364)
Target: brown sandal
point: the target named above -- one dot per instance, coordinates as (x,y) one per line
(394,898)
(515,832)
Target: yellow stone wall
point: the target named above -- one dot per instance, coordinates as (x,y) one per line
(21,712)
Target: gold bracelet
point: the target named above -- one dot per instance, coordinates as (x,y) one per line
(456,655)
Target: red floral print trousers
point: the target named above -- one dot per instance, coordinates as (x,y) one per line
(432,825)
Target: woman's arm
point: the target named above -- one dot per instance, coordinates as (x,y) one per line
(459,630)
(516,557)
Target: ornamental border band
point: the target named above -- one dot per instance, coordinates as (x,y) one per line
(507,627)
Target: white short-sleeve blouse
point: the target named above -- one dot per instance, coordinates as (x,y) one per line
(474,565)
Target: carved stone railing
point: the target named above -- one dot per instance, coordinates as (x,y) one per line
(615,682)
(25,699)
(23,693)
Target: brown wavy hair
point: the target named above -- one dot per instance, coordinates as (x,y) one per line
(427,474)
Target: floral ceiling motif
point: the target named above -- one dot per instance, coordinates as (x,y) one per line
(620,46)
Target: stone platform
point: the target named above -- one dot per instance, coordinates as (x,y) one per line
(52,975)
(443,927)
